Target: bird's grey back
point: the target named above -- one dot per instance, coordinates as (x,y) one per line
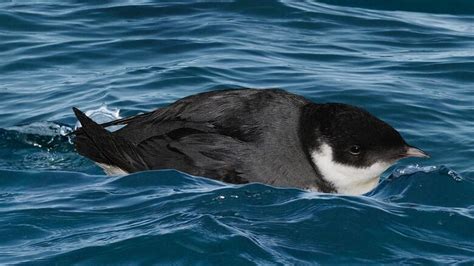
(254,132)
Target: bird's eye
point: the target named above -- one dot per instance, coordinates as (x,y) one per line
(355,150)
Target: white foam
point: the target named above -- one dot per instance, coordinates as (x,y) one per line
(455,176)
(411,169)
(42,129)
(101,115)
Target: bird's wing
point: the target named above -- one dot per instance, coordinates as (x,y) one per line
(209,112)
(236,113)
(102,146)
(191,147)
(199,153)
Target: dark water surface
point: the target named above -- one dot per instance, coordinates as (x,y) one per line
(411,63)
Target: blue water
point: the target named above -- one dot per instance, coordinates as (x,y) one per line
(411,63)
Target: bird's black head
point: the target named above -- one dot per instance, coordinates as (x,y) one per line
(351,147)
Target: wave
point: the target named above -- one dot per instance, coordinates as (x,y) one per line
(147,214)
(407,62)
(159,216)
(454,7)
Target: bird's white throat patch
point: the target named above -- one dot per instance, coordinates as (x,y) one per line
(347,179)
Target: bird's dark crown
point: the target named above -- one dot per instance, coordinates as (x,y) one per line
(356,137)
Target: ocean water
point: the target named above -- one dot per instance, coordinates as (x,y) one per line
(411,63)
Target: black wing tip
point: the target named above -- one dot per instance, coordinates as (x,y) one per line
(79,114)
(83,118)
(87,124)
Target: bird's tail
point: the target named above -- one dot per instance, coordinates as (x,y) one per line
(96,143)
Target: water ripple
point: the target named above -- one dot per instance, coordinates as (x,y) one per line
(408,62)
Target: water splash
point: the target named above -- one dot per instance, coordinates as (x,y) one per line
(411,169)
(40,145)
(45,135)
(455,176)
(47,145)
(102,114)
(42,129)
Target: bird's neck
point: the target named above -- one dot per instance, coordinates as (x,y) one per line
(333,176)
(346,179)
(308,124)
